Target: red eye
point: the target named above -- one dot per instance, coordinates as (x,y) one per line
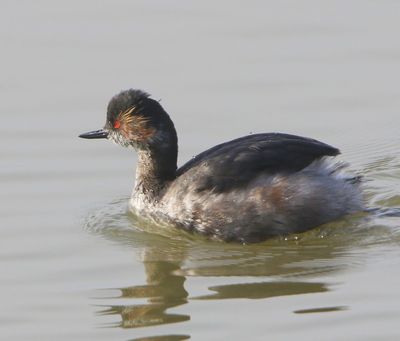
(117,124)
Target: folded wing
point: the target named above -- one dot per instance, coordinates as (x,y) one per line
(235,163)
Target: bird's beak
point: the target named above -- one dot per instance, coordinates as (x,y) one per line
(97,134)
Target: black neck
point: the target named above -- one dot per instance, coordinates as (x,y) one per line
(158,155)
(155,169)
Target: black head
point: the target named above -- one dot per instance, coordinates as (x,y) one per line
(134,119)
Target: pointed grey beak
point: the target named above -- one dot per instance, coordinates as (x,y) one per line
(97,134)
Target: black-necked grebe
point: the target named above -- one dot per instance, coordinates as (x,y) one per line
(245,190)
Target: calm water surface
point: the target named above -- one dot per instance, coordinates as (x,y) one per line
(76,266)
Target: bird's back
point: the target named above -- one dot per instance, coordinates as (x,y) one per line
(237,162)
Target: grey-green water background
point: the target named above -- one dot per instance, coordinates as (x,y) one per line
(73,264)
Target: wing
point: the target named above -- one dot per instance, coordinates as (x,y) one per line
(235,163)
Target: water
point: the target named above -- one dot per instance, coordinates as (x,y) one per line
(74,263)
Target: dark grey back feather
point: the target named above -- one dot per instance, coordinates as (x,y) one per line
(235,163)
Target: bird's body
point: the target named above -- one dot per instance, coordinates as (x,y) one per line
(245,190)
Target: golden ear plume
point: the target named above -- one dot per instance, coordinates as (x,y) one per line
(126,116)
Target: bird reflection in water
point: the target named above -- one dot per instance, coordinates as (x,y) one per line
(283,268)
(163,290)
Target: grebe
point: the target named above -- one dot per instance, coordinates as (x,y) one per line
(245,190)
